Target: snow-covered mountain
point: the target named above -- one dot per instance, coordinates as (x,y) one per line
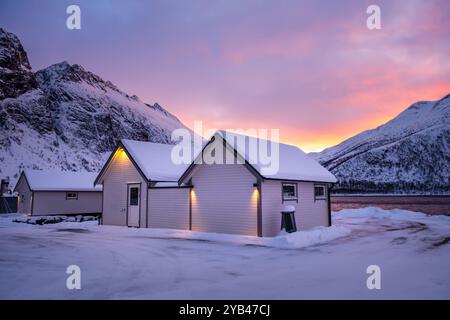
(65,116)
(409,154)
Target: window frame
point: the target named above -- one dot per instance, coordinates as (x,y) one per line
(324,196)
(283,197)
(137,197)
(72,198)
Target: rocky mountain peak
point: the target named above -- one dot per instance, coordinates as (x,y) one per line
(15,69)
(64,71)
(12,54)
(66,117)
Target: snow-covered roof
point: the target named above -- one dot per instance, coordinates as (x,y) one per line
(52,180)
(154,160)
(294,164)
(172,184)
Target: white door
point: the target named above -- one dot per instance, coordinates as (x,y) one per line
(134,200)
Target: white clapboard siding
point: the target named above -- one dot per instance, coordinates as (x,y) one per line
(309,213)
(25,196)
(120,172)
(224,199)
(55,203)
(168,208)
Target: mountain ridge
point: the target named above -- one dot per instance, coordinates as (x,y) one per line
(66,117)
(408,154)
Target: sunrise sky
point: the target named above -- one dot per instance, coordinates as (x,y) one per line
(309,68)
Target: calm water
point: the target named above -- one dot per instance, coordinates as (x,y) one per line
(425,204)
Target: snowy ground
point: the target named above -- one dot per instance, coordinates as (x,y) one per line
(412,250)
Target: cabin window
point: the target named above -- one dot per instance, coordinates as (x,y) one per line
(134,196)
(319,192)
(22,198)
(71,195)
(289,192)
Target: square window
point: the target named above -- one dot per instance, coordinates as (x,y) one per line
(319,192)
(289,191)
(71,195)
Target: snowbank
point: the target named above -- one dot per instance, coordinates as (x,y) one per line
(296,240)
(40,220)
(396,214)
(412,250)
(301,239)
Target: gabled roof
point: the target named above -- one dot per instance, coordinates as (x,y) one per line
(54,180)
(294,164)
(152,160)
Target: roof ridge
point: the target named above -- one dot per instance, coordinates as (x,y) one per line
(243,135)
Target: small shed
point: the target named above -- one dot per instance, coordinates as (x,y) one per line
(46,192)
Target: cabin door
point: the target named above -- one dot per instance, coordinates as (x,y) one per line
(134,204)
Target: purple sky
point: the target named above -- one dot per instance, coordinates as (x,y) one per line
(310,68)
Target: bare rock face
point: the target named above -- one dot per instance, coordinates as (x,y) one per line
(16,76)
(66,117)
